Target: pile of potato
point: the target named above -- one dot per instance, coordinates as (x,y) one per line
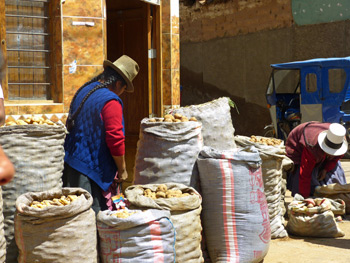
(30,120)
(62,201)
(173,118)
(265,140)
(163,192)
(124,213)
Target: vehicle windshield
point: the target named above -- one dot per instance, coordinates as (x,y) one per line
(286,81)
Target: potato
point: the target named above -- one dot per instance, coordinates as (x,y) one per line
(152,120)
(178,116)
(169,116)
(193,119)
(162,188)
(160,195)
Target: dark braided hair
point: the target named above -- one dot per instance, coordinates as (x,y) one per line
(108,76)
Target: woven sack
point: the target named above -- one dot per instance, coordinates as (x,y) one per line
(235,213)
(184,213)
(2,233)
(317,221)
(274,163)
(57,234)
(168,149)
(215,116)
(146,236)
(335,191)
(37,153)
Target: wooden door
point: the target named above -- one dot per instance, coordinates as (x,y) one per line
(127,33)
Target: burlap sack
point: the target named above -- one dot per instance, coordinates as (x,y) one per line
(37,153)
(185,215)
(56,234)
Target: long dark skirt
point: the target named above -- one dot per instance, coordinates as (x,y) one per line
(335,176)
(73,178)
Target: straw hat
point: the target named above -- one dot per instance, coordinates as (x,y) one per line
(333,141)
(127,68)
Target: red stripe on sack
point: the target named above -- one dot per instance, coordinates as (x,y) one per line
(156,238)
(227,243)
(233,211)
(20,233)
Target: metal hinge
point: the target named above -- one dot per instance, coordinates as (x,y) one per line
(152,53)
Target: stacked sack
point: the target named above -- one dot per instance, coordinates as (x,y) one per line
(56,226)
(136,236)
(37,153)
(184,204)
(215,116)
(274,165)
(167,151)
(235,213)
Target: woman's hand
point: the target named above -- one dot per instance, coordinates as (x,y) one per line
(122,176)
(322,175)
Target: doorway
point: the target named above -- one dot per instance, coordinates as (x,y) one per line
(131,29)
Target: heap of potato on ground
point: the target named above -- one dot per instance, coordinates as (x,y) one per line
(265,140)
(173,118)
(162,191)
(62,201)
(30,120)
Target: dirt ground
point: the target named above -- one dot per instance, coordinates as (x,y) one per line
(309,250)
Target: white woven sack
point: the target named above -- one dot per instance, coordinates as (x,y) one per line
(235,213)
(316,221)
(185,215)
(146,236)
(167,152)
(37,153)
(2,233)
(335,191)
(215,116)
(274,162)
(56,234)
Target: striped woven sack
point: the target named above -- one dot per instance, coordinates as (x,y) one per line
(235,215)
(144,236)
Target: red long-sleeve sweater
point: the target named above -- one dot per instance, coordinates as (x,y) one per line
(112,116)
(305,151)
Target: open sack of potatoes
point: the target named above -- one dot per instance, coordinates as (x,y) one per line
(315,217)
(184,204)
(167,151)
(335,191)
(56,226)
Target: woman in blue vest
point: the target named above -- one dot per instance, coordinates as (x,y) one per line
(94,146)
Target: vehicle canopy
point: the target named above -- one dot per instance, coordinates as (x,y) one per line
(320,87)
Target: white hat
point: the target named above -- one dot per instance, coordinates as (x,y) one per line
(333,141)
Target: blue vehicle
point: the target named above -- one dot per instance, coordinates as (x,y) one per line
(310,90)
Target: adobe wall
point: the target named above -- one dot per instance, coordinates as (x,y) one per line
(226,50)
